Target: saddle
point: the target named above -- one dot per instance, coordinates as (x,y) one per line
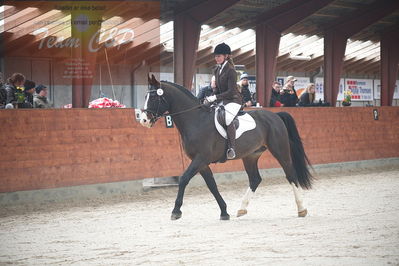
(243,122)
(221,117)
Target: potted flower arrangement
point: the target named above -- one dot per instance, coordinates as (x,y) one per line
(347,98)
(20,96)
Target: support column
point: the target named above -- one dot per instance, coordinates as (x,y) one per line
(186,37)
(389,65)
(187,29)
(267,45)
(270,26)
(85,25)
(336,35)
(77,84)
(334,52)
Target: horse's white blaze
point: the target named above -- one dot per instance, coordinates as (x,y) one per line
(298,197)
(246,199)
(144,121)
(146,102)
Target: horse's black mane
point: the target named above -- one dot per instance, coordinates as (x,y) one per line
(181,88)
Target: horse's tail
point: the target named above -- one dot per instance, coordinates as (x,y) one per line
(298,155)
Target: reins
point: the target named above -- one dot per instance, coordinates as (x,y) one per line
(184,111)
(157,116)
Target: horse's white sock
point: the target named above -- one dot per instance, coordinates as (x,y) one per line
(298,197)
(246,199)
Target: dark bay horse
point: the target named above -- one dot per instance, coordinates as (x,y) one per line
(204,145)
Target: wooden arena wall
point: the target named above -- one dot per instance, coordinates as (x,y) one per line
(67,147)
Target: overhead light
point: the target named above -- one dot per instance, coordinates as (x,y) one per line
(301,57)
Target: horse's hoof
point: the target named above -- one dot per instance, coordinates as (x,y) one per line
(225,217)
(175,216)
(241,213)
(303,213)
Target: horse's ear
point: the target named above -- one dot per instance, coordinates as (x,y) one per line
(155,81)
(149,79)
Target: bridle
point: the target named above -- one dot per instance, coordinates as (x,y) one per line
(155,116)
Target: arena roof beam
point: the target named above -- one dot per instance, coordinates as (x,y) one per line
(336,35)
(34,24)
(187,29)
(389,65)
(269,27)
(22,17)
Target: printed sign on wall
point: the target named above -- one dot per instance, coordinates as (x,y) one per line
(377,89)
(319,84)
(362,89)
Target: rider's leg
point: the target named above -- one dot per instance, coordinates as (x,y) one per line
(231,138)
(231,111)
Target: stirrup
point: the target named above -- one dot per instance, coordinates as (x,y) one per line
(231,154)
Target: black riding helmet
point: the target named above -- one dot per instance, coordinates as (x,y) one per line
(222,49)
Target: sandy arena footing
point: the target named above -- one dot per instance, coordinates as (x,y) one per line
(353,220)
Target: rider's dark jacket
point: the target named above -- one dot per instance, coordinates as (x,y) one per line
(226,85)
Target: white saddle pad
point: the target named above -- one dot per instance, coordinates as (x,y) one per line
(246,123)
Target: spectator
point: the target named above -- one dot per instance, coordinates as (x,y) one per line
(15,81)
(242,86)
(40,99)
(29,91)
(275,100)
(308,96)
(288,95)
(207,90)
(3,93)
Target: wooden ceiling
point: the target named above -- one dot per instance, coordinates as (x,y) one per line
(301,46)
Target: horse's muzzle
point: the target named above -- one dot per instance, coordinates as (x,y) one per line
(145,120)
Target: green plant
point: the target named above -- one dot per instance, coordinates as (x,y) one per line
(20,95)
(347,96)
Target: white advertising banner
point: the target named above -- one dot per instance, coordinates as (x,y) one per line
(319,84)
(362,89)
(300,84)
(377,89)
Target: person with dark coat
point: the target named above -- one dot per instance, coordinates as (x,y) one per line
(29,91)
(308,96)
(275,97)
(207,90)
(3,93)
(16,80)
(3,96)
(226,92)
(242,86)
(288,96)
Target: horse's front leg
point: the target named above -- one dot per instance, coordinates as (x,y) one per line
(192,170)
(206,173)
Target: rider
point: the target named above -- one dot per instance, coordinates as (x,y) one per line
(226,92)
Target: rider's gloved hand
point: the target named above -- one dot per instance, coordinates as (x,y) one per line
(211,98)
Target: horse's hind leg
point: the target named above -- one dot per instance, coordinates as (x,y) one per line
(302,211)
(210,182)
(251,167)
(281,151)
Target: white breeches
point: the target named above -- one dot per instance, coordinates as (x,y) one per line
(231,111)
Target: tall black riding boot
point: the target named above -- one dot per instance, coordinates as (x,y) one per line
(231,137)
